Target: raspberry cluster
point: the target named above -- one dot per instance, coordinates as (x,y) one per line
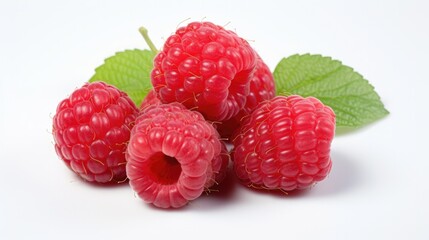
(209,86)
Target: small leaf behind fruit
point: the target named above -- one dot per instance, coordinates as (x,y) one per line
(352,98)
(129,71)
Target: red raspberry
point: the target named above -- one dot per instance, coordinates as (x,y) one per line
(150,99)
(206,67)
(91,129)
(285,144)
(261,88)
(173,155)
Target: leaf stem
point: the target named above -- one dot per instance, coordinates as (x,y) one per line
(143,32)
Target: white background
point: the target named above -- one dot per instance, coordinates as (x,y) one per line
(378,187)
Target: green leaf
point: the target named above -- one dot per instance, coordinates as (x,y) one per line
(352,98)
(129,71)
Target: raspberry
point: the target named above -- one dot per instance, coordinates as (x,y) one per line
(173,155)
(91,129)
(261,88)
(206,67)
(150,99)
(285,144)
